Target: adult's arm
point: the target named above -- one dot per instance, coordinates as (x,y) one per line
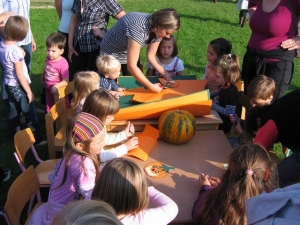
(154,61)
(58,6)
(4,16)
(121,14)
(133,52)
(33,43)
(267,135)
(73,24)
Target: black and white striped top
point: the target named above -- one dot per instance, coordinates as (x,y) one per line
(134,25)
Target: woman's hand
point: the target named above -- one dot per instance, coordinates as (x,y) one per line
(132,143)
(129,130)
(291,44)
(157,87)
(71,52)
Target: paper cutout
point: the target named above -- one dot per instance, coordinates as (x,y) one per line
(196,103)
(184,87)
(157,169)
(168,84)
(147,142)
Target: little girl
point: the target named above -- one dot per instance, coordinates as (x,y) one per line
(167,55)
(123,179)
(250,172)
(74,176)
(215,49)
(84,84)
(104,106)
(16,80)
(226,70)
(56,71)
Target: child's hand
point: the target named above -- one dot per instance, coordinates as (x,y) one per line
(98,32)
(157,87)
(167,76)
(129,130)
(120,89)
(54,89)
(233,118)
(132,143)
(214,181)
(238,127)
(204,180)
(30,97)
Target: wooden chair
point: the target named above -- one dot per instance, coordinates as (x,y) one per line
(23,189)
(24,141)
(63,92)
(240,85)
(243,105)
(56,132)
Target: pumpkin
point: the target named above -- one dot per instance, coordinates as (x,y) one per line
(157,169)
(177,126)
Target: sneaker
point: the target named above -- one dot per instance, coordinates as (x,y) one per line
(41,143)
(7,174)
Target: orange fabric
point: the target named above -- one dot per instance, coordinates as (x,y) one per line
(147,142)
(196,103)
(184,87)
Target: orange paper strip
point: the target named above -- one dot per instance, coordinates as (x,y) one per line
(147,142)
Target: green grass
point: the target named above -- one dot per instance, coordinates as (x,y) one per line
(201,21)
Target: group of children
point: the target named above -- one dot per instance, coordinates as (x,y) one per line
(77,175)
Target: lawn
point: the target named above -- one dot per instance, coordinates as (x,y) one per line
(201,21)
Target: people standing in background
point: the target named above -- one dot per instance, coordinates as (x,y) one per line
(242,7)
(87,27)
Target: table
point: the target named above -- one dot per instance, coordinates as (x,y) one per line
(208,151)
(209,122)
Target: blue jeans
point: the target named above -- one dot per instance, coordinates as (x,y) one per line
(18,103)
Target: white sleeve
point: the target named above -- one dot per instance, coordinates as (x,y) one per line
(164,212)
(112,153)
(179,66)
(115,138)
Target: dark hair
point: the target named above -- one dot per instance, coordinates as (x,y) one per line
(226,203)
(221,46)
(16,28)
(175,47)
(165,18)
(56,39)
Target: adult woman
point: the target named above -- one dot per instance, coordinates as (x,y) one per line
(279,122)
(89,17)
(271,24)
(63,8)
(135,30)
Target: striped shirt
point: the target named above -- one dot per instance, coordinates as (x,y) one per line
(95,13)
(21,7)
(133,25)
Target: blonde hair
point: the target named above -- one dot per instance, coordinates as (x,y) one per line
(261,87)
(84,84)
(165,18)
(89,212)
(250,172)
(16,28)
(108,64)
(101,104)
(122,184)
(229,67)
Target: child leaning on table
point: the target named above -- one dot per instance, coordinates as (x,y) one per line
(123,179)
(104,106)
(56,71)
(250,172)
(84,83)
(109,68)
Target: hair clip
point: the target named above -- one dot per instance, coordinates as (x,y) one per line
(224,63)
(229,55)
(249,172)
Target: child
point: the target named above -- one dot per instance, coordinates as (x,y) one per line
(123,179)
(89,212)
(250,172)
(84,84)
(104,106)
(56,71)
(167,55)
(109,68)
(215,49)
(74,176)
(242,7)
(226,70)
(16,79)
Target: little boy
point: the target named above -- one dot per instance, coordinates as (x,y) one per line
(56,71)
(109,68)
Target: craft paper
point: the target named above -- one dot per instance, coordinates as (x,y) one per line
(147,142)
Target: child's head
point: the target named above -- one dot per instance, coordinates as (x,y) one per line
(122,178)
(16,28)
(260,91)
(109,66)
(101,104)
(167,48)
(217,48)
(90,212)
(84,83)
(227,69)
(55,44)
(250,172)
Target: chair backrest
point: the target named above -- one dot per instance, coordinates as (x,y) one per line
(240,85)
(64,91)
(56,113)
(20,192)
(243,105)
